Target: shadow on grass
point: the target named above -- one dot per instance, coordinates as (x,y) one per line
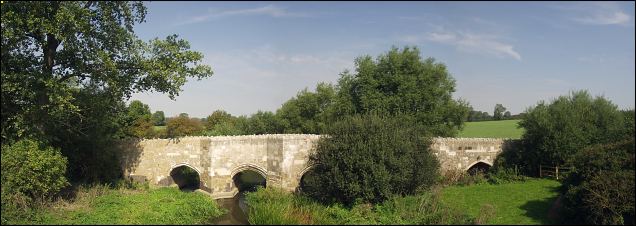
(544,211)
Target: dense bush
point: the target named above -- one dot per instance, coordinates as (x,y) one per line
(370,158)
(600,187)
(184,126)
(32,169)
(556,131)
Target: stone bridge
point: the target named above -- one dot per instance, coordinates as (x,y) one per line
(279,158)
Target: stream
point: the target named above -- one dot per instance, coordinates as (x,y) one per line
(237,208)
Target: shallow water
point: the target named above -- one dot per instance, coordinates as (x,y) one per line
(237,211)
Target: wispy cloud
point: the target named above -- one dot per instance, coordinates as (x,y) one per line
(486,44)
(269,10)
(596,13)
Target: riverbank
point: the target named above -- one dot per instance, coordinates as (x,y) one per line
(104,205)
(526,202)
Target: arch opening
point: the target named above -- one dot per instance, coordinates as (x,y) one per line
(479,167)
(249,180)
(307,183)
(186,178)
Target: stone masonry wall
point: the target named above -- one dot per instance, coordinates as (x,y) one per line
(280,158)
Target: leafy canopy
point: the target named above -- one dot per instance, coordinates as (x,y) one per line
(53,50)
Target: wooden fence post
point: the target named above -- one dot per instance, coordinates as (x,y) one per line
(540,171)
(557,172)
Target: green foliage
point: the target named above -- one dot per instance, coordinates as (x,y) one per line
(474,116)
(104,205)
(217,117)
(557,131)
(184,126)
(499,112)
(158,118)
(263,123)
(308,112)
(370,158)
(33,169)
(505,175)
(68,66)
(401,82)
(600,188)
(56,48)
(273,206)
(398,82)
(139,120)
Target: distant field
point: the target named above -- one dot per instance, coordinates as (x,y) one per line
(492,129)
(157,128)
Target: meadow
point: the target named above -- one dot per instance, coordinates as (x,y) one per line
(105,205)
(511,203)
(492,129)
(525,202)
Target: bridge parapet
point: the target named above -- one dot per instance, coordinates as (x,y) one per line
(280,158)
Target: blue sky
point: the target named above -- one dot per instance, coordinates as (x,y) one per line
(513,53)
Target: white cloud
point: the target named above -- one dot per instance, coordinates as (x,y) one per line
(607,18)
(269,10)
(596,13)
(486,44)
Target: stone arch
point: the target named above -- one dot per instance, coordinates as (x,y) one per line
(248,166)
(300,176)
(477,163)
(247,177)
(185,164)
(303,171)
(186,180)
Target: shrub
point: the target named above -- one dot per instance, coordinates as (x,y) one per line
(32,169)
(600,187)
(556,131)
(505,175)
(184,126)
(370,158)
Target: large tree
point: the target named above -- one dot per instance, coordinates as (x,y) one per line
(67,68)
(159,118)
(498,114)
(401,82)
(558,130)
(308,111)
(53,50)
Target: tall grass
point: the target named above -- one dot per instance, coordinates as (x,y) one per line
(274,206)
(103,204)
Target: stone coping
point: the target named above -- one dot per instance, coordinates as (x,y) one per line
(304,136)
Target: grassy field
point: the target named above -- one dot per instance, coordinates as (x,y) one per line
(492,129)
(158,128)
(515,203)
(101,205)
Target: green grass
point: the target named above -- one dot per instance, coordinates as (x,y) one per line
(492,129)
(514,203)
(158,128)
(274,206)
(110,206)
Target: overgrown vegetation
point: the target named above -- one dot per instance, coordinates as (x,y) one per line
(107,205)
(600,188)
(370,158)
(274,206)
(557,131)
